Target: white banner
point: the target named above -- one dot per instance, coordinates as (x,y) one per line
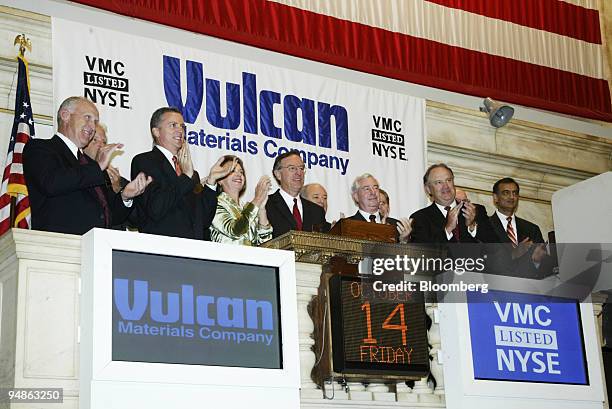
(252,110)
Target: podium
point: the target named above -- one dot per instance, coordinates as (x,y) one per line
(358,229)
(41,276)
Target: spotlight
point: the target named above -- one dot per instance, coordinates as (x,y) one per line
(499,113)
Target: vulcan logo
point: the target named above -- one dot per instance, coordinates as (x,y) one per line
(146,312)
(303,120)
(187,308)
(105,83)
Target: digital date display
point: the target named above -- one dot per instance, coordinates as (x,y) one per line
(377,332)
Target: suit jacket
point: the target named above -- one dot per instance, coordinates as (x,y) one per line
(522,266)
(390,220)
(282,219)
(132,219)
(428,227)
(61,190)
(524,229)
(172,205)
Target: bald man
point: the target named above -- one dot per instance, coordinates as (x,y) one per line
(68,191)
(316,193)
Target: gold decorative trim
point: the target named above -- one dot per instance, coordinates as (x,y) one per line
(27,14)
(318,248)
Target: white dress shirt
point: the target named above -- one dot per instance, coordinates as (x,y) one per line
(289,201)
(366,216)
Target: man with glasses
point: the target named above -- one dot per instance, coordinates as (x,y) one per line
(286,209)
(176,203)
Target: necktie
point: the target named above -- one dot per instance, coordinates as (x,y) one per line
(456,229)
(296,215)
(372,218)
(510,232)
(99,194)
(177,166)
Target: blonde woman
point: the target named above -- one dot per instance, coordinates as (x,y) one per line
(234,221)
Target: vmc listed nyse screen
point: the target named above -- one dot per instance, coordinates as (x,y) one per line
(189,311)
(526,337)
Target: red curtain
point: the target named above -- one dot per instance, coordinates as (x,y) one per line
(346,43)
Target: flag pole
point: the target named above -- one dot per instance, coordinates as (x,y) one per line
(24,43)
(15,208)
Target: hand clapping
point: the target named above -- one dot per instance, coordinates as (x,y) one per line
(218,172)
(136,187)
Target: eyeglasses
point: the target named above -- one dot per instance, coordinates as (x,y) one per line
(293,169)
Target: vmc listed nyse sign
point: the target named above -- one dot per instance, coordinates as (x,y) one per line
(525,337)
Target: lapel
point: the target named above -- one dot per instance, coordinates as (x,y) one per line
(501,234)
(521,229)
(72,161)
(189,204)
(437,217)
(281,207)
(358,216)
(64,151)
(165,165)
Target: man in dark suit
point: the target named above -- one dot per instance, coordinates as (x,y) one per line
(286,209)
(67,189)
(176,203)
(461,196)
(113,178)
(528,248)
(446,220)
(365,192)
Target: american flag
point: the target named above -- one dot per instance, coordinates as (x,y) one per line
(13,181)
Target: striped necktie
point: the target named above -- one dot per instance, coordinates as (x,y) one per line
(510,232)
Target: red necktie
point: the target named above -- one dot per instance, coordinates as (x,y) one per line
(99,194)
(511,233)
(296,215)
(177,166)
(456,229)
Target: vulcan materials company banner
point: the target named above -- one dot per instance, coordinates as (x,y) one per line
(252,110)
